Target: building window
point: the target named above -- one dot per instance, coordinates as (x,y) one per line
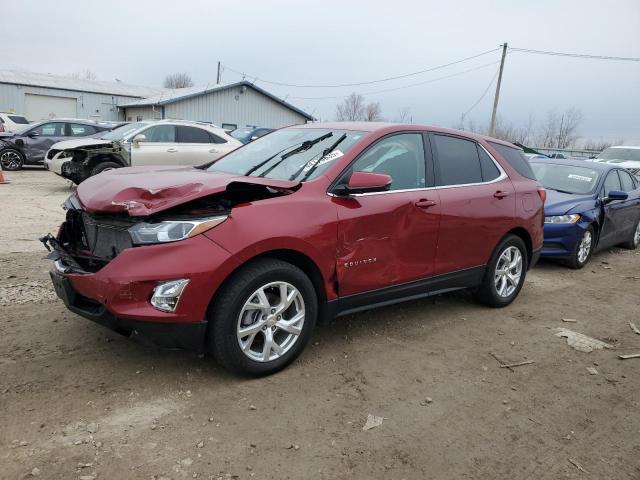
(139,118)
(229,126)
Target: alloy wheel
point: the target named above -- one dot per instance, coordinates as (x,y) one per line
(270,321)
(508,271)
(10,160)
(585,246)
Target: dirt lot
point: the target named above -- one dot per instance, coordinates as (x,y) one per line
(77,401)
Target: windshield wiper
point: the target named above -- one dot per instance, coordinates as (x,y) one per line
(326,151)
(306,145)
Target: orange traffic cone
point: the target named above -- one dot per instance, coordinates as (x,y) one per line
(2,179)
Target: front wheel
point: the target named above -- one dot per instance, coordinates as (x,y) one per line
(11,159)
(505,273)
(583,250)
(104,167)
(262,318)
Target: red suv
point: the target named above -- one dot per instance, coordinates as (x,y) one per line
(243,256)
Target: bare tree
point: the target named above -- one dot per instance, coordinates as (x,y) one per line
(351,109)
(85,74)
(372,112)
(177,80)
(560,130)
(404,115)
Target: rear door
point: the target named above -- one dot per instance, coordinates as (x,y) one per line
(388,238)
(477,203)
(198,146)
(159,148)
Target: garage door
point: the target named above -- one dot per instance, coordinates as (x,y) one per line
(41,107)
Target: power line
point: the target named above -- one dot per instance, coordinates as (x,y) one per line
(402,87)
(370,82)
(484,94)
(575,55)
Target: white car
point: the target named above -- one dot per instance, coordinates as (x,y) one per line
(10,122)
(164,142)
(623,156)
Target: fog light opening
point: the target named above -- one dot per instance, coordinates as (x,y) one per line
(167,295)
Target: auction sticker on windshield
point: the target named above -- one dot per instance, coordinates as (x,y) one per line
(329,157)
(580,177)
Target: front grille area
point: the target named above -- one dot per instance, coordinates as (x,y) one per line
(94,240)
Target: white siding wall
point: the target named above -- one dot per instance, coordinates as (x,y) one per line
(232,106)
(94,106)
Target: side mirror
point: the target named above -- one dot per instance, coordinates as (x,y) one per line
(616,195)
(139,138)
(367,182)
(33,134)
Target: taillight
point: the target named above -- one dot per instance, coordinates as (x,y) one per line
(543,194)
(1,128)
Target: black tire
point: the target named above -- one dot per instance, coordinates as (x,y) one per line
(574,261)
(634,241)
(487,292)
(11,159)
(102,166)
(225,310)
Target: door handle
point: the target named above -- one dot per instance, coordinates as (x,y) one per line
(424,203)
(213,150)
(500,194)
(172,150)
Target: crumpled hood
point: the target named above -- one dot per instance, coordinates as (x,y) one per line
(559,203)
(142,191)
(80,142)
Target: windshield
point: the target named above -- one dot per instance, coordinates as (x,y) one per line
(289,154)
(566,178)
(241,132)
(121,132)
(618,153)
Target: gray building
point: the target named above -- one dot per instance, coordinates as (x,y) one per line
(41,96)
(229,106)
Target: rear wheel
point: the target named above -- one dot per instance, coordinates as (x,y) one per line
(505,273)
(11,159)
(583,250)
(634,241)
(262,318)
(103,167)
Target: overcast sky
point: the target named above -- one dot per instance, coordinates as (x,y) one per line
(340,41)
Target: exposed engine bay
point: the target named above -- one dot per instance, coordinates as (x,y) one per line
(86,159)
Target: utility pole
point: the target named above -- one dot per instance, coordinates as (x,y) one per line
(218,77)
(492,126)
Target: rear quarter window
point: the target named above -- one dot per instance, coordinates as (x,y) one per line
(516,159)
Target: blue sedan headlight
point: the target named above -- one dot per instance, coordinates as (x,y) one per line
(573,218)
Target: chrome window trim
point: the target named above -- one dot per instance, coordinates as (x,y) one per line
(503,175)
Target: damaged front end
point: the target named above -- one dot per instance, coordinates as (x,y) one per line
(79,163)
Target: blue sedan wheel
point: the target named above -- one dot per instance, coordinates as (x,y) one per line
(634,241)
(583,249)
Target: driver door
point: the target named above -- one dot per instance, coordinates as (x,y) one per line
(613,216)
(388,238)
(39,140)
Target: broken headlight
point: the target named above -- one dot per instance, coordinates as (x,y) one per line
(172,230)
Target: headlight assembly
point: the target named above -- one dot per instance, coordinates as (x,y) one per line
(172,230)
(573,218)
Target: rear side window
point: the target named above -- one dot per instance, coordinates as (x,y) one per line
(628,184)
(80,130)
(487,165)
(458,161)
(193,135)
(516,159)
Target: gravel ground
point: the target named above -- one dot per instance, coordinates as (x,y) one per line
(77,401)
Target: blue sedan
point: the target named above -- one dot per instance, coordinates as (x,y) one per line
(589,207)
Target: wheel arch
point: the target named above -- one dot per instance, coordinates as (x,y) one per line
(524,235)
(294,257)
(95,159)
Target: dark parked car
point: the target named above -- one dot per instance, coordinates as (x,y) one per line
(241,257)
(246,135)
(29,145)
(590,206)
